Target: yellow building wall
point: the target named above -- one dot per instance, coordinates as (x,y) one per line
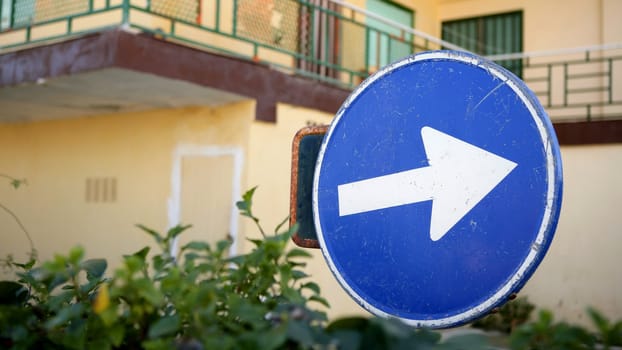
(56,157)
(426,12)
(136,149)
(547,25)
(582,267)
(269,167)
(612,28)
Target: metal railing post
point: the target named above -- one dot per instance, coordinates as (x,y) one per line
(367,34)
(312,32)
(549,84)
(125,20)
(12,14)
(217,14)
(610,85)
(565,84)
(390,43)
(235,18)
(589,112)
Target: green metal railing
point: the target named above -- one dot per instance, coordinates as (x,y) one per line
(297,36)
(335,43)
(579,83)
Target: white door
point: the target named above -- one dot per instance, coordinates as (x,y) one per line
(206,185)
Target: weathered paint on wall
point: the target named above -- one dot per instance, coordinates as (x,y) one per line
(582,267)
(548,25)
(269,165)
(59,158)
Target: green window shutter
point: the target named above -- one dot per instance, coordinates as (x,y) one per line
(384,45)
(489,35)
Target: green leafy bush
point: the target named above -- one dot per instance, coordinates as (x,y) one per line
(200,299)
(204,299)
(506,318)
(545,334)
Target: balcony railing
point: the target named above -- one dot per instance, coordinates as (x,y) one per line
(579,83)
(327,40)
(298,36)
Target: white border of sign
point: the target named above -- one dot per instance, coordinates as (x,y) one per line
(553,195)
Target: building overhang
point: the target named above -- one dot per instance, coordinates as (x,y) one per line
(93,63)
(120,70)
(102,91)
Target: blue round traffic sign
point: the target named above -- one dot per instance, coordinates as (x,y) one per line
(437,189)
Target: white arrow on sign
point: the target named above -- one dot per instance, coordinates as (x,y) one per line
(458,177)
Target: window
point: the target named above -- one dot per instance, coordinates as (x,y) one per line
(320,37)
(23,13)
(5,13)
(384,41)
(489,35)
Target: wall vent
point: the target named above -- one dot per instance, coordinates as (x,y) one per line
(101,190)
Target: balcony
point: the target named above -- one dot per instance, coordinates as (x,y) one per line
(337,44)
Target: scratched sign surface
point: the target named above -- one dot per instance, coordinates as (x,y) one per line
(437,189)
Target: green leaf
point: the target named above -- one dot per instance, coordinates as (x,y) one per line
(151,293)
(466,341)
(246,203)
(75,255)
(12,293)
(17,182)
(90,286)
(155,234)
(196,245)
(300,333)
(94,268)
(64,315)
(613,336)
(347,339)
(319,299)
(116,333)
(312,286)
(222,245)
(238,259)
(157,344)
(60,300)
(141,254)
(26,266)
(56,280)
(278,227)
(110,318)
(161,262)
(164,326)
(298,274)
(256,242)
(296,252)
(98,344)
(133,264)
(272,339)
(602,323)
(355,323)
(393,327)
(175,231)
(73,335)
